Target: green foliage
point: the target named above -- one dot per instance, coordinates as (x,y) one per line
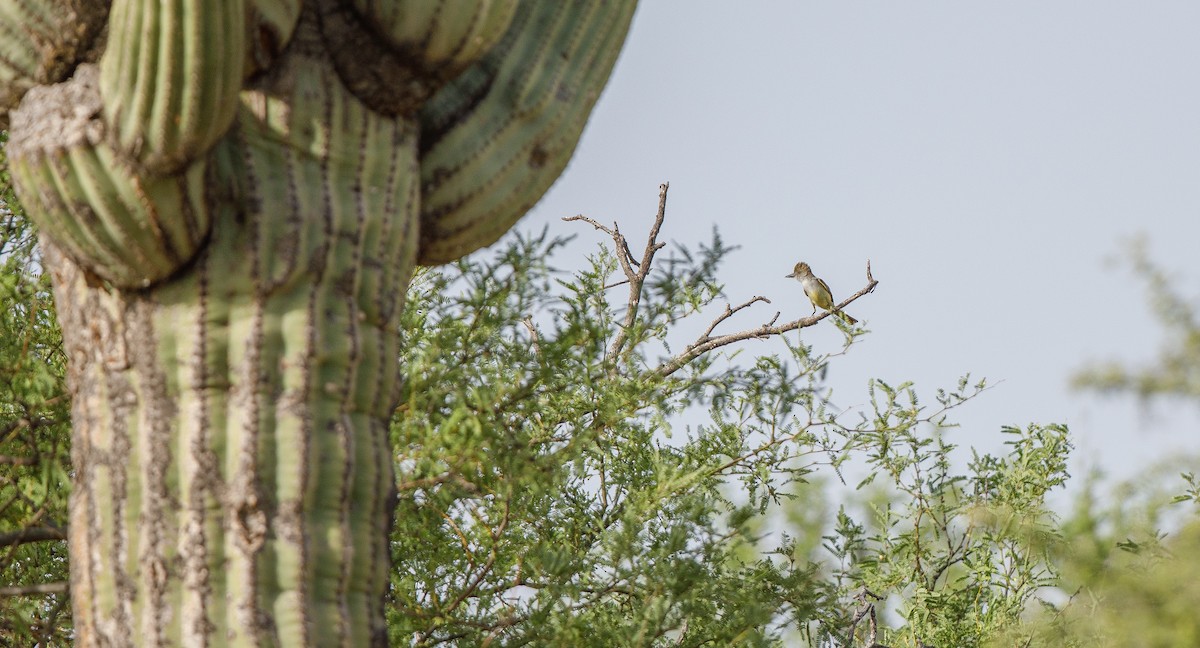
(959,555)
(1130,562)
(542,499)
(1126,580)
(1177,370)
(34,443)
(550,494)
(1191,492)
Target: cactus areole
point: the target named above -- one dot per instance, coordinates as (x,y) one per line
(231,198)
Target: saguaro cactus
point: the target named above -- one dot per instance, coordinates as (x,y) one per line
(231,198)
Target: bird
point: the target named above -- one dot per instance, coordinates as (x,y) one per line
(817,290)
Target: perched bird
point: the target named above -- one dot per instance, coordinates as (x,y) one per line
(817,290)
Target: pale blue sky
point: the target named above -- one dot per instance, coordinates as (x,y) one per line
(987,157)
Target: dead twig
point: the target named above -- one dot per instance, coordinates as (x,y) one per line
(534,338)
(865,609)
(635,277)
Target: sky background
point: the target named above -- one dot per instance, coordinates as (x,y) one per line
(990,159)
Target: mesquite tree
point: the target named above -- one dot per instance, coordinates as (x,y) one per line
(231,199)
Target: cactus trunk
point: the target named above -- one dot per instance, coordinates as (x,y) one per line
(234,478)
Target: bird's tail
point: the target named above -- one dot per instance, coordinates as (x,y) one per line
(846,317)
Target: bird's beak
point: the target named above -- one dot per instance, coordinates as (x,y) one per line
(791,276)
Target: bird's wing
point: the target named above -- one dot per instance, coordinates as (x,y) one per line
(827,290)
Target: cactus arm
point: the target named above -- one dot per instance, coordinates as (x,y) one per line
(120,224)
(494,140)
(170,77)
(41,41)
(448,34)
(113,165)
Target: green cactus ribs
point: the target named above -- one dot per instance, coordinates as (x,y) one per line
(127,226)
(496,138)
(232,200)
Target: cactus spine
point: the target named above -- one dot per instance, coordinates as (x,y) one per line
(231,208)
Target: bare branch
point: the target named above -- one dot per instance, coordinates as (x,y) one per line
(706,343)
(32,534)
(729,312)
(636,278)
(535,340)
(437,480)
(60,587)
(589,221)
(865,609)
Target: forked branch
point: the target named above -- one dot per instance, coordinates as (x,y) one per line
(635,271)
